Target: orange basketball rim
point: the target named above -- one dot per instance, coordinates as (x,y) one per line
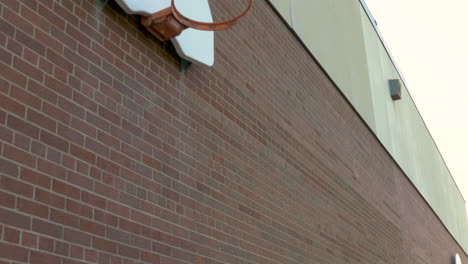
(169,23)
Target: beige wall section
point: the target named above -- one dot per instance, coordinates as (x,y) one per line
(344,41)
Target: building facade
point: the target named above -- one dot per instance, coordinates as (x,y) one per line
(110,154)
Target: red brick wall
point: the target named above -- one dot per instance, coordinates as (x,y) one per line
(110,155)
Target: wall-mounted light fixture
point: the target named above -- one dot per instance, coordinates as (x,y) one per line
(395,89)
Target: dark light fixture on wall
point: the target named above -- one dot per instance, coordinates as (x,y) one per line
(395,89)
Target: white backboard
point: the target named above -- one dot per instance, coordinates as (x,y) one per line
(193,45)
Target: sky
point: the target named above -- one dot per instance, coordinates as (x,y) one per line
(429,41)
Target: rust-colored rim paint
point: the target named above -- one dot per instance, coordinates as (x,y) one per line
(169,23)
(213,26)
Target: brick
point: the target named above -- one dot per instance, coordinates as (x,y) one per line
(152,162)
(22,142)
(19,156)
(35,19)
(113,71)
(64,218)
(91,255)
(76,252)
(82,154)
(93,200)
(3,116)
(92,227)
(28,69)
(120,159)
(47,228)
(7,200)
(65,189)
(12,106)
(102,52)
(77,35)
(86,77)
(52,18)
(150,257)
(30,42)
(129,252)
(15,47)
(104,245)
(15,219)
(30,57)
(38,149)
(109,116)
(161,248)
(77,237)
(42,92)
(44,258)
(58,86)
(92,31)
(82,87)
(64,11)
(70,134)
(140,242)
(15,186)
(79,209)
(54,141)
(13,75)
(50,169)
(49,42)
(46,244)
(29,240)
(129,226)
(18,21)
(59,61)
(5,56)
(60,74)
(6,135)
(117,235)
(11,235)
(32,6)
(105,218)
(108,192)
(151,233)
(61,248)
(63,38)
(8,168)
(83,127)
(41,120)
(69,261)
(12,252)
(25,97)
(85,101)
(49,198)
(56,113)
(32,208)
(82,167)
(79,59)
(97,147)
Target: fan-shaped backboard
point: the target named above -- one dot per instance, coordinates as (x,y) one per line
(193,45)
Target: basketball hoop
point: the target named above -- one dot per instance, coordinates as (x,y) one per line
(169,23)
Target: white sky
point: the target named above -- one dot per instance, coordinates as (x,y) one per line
(429,41)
